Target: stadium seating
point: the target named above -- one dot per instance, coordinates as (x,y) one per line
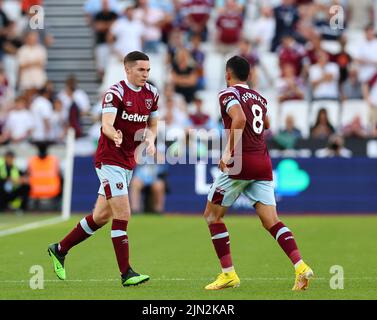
(72,49)
(214,71)
(210,103)
(158,74)
(332,107)
(299,109)
(272,110)
(114,73)
(353,108)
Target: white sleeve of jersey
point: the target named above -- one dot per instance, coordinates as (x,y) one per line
(231,104)
(154,114)
(110,110)
(229,98)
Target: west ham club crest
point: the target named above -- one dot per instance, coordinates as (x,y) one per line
(148,103)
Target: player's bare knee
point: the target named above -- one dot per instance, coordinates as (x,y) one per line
(122,216)
(269,223)
(206,215)
(120,208)
(106,216)
(103,217)
(211,217)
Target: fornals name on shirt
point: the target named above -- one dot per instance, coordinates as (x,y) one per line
(246,96)
(135,117)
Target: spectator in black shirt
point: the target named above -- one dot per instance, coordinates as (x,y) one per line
(10,46)
(184,75)
(4,25)
(286,16)
(102,22)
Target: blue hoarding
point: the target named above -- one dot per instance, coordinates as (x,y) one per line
(302,186)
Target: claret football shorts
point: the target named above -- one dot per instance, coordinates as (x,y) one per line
(225,191)
(114,181)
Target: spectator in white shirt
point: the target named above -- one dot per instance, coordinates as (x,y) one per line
(153,19)
(42,111)
(263,29)
(19,123)
(366,56)
(360,13)
(324,78)
(72,94)
(127,34)
(58,122)
(32,59)
(370,95)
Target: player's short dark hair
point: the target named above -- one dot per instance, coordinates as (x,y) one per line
(135,56)
(240,67)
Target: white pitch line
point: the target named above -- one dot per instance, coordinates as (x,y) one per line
(31,226)
(158,279)
(181,279)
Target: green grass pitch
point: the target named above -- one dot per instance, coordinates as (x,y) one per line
(177,253)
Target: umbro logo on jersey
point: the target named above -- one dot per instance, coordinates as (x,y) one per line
(135,117)
(129,104)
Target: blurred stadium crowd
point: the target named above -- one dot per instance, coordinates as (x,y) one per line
(314,60)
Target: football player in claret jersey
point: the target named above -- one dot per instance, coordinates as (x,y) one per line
(129,108)
(246,168)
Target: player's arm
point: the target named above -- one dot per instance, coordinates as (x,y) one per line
(238,117)
(151,132)
(108,129)
(150,135)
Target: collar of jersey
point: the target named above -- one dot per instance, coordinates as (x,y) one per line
(242,85)
(132,87)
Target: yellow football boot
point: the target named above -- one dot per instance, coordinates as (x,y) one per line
(303,274)
(225,280)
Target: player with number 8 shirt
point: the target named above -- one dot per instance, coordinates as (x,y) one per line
(246,168)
